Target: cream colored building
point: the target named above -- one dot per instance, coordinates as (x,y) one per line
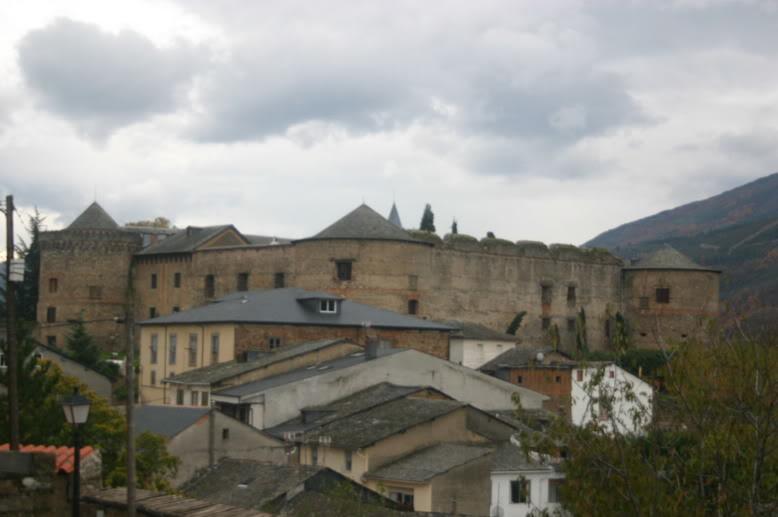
(474,345)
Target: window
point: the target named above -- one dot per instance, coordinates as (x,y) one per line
(176,308)
(243,281)
(153,378)
(51,340)
(53,285)
(520,491)
(607,329)
(153,280)
(579,375)
(519,379)
(343,268)
(214,348)
(413,306)
(545,294)
(546,323)
(225,433)
(348,460)
(571,324)
(274,342)
(204,398)
(328,306)
(153,347)
(193,350)
(180,397)
(314,455)
(404,497)
(644,302)
(663,295)
(558,379)
(571,295)
(152,312)
(194,398)
(176,280)
(210,286)
(611,374)
(51,314)
(413,282)
(95,292)
(279,281)
(172,350)
(554,490)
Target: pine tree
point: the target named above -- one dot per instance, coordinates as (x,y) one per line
(454,228)
(515,323)
(81,346)
(27,291)
(428,220)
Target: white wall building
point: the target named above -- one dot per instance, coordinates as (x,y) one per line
(474,345)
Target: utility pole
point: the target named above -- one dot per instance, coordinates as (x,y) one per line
(10,302)
(129,320)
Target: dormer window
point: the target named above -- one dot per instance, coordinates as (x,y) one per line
(328,306)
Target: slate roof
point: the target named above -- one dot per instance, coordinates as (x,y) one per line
(167,421)
(261,482)
(93,218)
(266,240)
(364,223)
(215,373)
(667,257)
(425,464)
(186,240)
(509,458)
(63,461)
(286,306)
(168,505)
(394,216)
(468,330)
(251,389)
(352,404)
(521,357)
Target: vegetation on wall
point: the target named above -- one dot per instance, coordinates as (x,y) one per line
(581,339)
(154,465)
(515,323)
(157,222)
(454,227)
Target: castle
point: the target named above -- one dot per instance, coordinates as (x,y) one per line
(97,270)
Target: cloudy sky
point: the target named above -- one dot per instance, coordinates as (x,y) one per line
(545,120)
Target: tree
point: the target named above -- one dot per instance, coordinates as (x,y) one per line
(82,348)
(711,448)
(154,464)
(157,222)
(581,339)
(27,290)
(490,235)
(454,228)
(515,323)
(428,220)
(553,337)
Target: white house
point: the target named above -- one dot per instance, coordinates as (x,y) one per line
(612,396)
(522,485)
(474,345)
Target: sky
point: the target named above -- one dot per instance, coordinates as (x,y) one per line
(540,120)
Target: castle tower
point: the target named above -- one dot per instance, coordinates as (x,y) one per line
(394,216)
(84,274)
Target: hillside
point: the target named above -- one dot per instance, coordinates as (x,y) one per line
(736,231)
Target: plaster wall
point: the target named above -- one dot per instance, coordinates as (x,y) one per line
(474,353)
(501,493)
(464,489)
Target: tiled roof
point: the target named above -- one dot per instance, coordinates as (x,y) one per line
(368,427)
(364,223)
(521,357)
(293,306)
(468,330)
(93,218)
(168,505)
(266,240)
(64,455)
(425,464)
(186,240)
(667,257)
(215,373)
(167,421)
(509,458)
(394,216)
(317,416)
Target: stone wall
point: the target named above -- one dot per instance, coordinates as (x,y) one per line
(28,485)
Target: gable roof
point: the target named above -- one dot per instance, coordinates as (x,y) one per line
(63,462)
(364,223)
(667,257)
(167,505)
(215,373)
(291,306)
(394,216)
(189,239)
(167,421)
(509,457)
(422,465)
(64,356)
(522,357)
(316,416)
(93,218)
(368,427)
(469,330)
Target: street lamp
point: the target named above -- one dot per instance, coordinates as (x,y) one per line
(76,409)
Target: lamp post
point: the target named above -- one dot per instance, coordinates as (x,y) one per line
(76,409)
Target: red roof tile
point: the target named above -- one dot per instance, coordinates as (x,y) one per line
(64,455)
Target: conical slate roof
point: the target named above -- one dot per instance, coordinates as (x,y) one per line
(394,217)
(364,223)
(667,257)
(93,218)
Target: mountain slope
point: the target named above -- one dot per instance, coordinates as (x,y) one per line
(736,231)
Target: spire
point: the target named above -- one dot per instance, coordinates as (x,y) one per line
(93,218)
(394,216)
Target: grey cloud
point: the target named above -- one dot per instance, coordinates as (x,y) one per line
(101,81)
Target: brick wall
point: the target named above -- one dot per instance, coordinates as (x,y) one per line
(554,382)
